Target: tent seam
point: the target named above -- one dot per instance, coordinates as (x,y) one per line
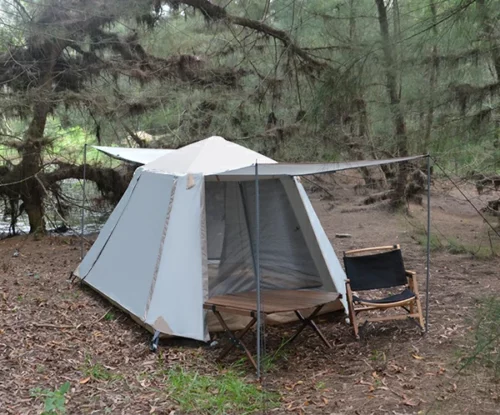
(112,231)
(160,251)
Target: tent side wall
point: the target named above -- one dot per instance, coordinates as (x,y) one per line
(331,272)
(97,247)
(176,302)
(130,249)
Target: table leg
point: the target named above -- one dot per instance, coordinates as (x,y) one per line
(235,339)
(309,322)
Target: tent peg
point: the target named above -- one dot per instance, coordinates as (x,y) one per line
(154,342)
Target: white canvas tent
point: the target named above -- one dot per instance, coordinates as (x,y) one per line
(194,207)
(135,155)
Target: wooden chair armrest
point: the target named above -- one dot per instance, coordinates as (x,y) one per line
(375,248)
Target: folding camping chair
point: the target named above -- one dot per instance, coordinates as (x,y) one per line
(379,268)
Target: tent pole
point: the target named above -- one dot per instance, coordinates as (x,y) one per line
(427,277)
(257,268)
(83,199)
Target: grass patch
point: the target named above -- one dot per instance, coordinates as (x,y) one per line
(109,316)
(269,360)
(97,371)
(54,401)
(486,342)
(454,246)
(224,393)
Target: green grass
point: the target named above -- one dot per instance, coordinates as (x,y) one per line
(54,401)
(224,393)
(109,316)
(455,247)
(98,371)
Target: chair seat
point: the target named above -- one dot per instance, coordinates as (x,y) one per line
(407,294)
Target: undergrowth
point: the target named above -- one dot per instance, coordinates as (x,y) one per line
(486,342)
(226,392)
(97,371)
(455,246)
(54,401)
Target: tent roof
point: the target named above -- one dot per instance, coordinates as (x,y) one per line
(211,156)
(135,155)
(304,169)
(216,156)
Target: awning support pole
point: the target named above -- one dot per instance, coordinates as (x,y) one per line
(427,278)
(83,200)
(257,269)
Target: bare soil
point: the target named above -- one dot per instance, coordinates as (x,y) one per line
(53,331)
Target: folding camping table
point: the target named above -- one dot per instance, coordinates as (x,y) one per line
(274,301)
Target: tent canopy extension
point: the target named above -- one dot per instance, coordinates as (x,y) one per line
(134,155)
(194,207)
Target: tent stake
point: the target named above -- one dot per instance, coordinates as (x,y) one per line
(427,277)
(257,267)
(83,199)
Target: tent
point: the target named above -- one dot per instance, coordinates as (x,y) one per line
(134,155)
(184,232)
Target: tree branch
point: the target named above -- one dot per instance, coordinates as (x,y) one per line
(215,12)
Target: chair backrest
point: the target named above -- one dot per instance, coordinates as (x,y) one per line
(375,271)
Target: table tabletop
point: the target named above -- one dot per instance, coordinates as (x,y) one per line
(273,301)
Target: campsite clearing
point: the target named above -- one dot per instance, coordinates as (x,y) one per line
(53,332)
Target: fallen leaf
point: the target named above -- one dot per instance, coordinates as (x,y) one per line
(409,402)
(84,381)
(416,356)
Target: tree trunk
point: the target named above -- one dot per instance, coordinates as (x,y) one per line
(31,164)
(395,103)
(432,81)
(32,194)
(489,31)
(359,123)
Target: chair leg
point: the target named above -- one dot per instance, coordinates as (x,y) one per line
(352,313)
(355,325)
(414,286)
(420,315)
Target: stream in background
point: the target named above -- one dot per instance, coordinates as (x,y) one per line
(96,213)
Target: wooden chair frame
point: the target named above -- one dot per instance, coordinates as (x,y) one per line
(412,306)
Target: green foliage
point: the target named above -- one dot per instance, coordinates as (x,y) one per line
(224,393)
(481,250)
(97,371)
(54,401)
(109,316)
(486,341)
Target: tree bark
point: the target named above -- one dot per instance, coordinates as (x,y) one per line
(489,31)
(215,12)
(31,164)
(432,81)
(394,101)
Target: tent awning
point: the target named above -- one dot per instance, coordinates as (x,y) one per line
(304,169)
(134,155)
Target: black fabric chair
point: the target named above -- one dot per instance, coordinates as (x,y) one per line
(378,268)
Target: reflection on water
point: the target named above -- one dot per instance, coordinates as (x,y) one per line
(92,226)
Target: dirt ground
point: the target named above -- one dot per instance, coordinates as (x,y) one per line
(53,331)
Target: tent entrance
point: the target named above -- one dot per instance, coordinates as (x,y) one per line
(285,259)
